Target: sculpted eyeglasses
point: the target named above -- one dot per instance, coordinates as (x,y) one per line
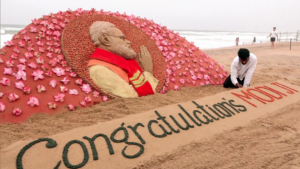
(121,37)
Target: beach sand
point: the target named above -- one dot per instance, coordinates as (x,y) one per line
(272,141)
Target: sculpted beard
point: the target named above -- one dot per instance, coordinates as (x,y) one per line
(123,51)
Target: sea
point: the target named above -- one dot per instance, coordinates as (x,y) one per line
(201,39)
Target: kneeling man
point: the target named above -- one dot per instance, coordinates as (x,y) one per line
(242,69)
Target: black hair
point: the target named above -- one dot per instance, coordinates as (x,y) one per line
(243,54)
(274,27)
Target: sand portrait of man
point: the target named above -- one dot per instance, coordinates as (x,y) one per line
(112,66)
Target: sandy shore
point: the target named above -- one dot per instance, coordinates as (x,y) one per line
(269,142)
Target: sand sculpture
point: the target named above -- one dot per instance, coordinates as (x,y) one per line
(45,65)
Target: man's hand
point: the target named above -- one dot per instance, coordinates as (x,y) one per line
(238,85)
(145,59)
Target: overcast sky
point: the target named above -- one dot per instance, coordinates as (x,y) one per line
(218,15)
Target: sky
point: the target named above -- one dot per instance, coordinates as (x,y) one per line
(209,15)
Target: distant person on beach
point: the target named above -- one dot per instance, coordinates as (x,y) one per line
(242,69)
(254,40)
(273,36)
(237,41)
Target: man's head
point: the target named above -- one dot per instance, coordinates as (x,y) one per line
(244,55)
(107,36)
(274,28)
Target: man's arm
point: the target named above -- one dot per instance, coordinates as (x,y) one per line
(249,74)
(234,73)
(110,82)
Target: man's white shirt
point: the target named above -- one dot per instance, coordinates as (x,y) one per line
(238,70)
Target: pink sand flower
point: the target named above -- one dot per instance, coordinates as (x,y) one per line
(61,24)
(49,32)
(68,69)
(57,27)
(105,98)
(26,38)
(35,21)
(202,70)
(40,43)
(23,31)
(19,85)
(173,80)
(202,83)
(9,63)
(212,82)
(72,74)
(37,54)
(48,38)
(96,93)
(49,43)
(82,103)
(1,60)
(60,57)
(78,81)
(13,97)
(217,70)
(56,39)
(44,67)
(9,43)
(22,61)
(20,75)
(207,82)
(86,88)
(49,55)
(4,81)
(63,63)
(194,77)
(216,76)
(41,88)
(176,87)
(52,105)
(79,10)
(40,60)
(33,101)
(56,34)
(2,107)
(32,29)
(26,90)
(16,49)
(58,51)
(222,67)
(182,81)
(43,29)
(221,76)
(87,99)
(28,55)
(56,60)
(16,111)
(206,77)
(53,83)
(1,94)
(63,89)
(60,97)
(71,107)
(7,71)
(52,63)
(59,71)
(38,74)
(73,91)
(42,49)
(174,74)
(48,73)
(65,80)
(14,56)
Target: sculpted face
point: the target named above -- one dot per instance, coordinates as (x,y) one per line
(120,45)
